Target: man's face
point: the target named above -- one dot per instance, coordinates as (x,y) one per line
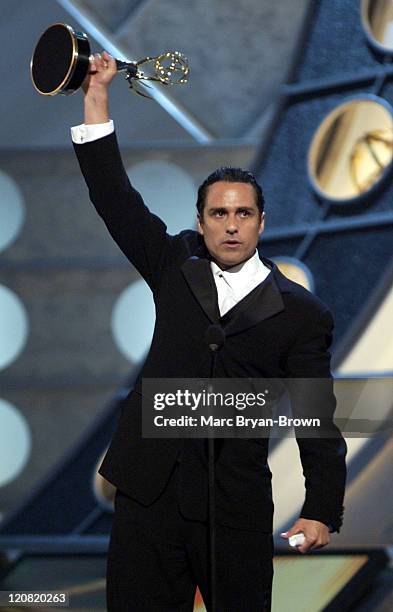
(231,223)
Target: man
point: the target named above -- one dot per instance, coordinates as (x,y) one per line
(273,328)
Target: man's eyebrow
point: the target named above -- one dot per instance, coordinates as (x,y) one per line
(240,207)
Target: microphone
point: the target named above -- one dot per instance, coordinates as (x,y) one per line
(214,337)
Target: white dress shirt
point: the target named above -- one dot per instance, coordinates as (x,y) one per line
(237,282)
(232,285)
(87,133)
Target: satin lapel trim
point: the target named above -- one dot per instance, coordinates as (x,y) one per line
(261,303)
(199,277)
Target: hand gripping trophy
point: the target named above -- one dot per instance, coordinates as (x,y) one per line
(61,61)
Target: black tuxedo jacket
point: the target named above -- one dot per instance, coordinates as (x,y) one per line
(277,330)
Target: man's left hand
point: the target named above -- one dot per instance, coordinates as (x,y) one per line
(316,534)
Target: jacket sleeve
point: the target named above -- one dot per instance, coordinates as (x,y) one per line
(141,235)
(322,448)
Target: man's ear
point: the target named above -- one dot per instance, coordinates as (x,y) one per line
(262,223)
(200,224)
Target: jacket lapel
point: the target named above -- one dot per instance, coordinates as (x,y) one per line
(261,303)
(199,277)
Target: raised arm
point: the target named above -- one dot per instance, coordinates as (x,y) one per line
(141,235)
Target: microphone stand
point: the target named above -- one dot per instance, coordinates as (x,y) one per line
(214,338)
(211,495)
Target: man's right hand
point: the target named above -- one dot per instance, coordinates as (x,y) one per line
(101,73)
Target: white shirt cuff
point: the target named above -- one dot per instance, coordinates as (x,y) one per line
(87,133)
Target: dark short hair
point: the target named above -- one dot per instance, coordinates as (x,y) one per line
(229,175)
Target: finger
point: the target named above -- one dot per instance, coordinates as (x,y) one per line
(321,540)
(110,61)
(304,550)
(306,546)
(106,56)
(293,531)
(99,61)
(93,65)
